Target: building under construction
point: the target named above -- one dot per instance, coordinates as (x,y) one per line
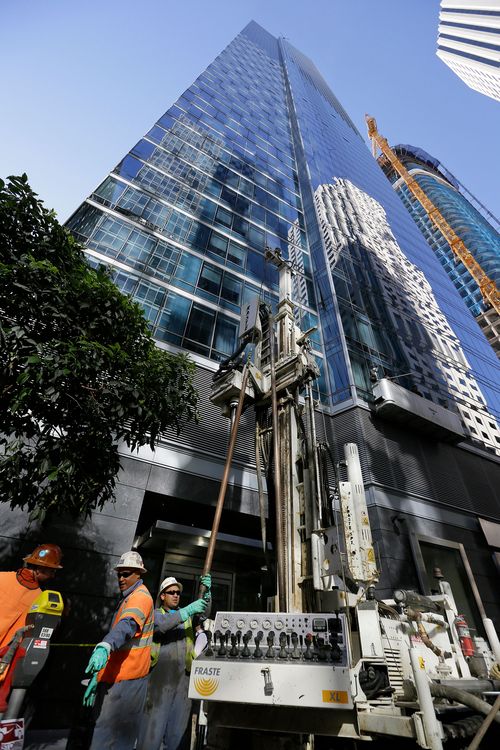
(472,222)
(258,153)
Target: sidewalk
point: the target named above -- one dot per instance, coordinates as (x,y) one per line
(46,739)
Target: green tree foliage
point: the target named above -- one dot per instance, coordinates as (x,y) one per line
(79,368)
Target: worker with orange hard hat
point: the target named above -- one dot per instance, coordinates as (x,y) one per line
(19,589)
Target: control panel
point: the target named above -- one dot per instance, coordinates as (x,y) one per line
(310,637)
(275,658)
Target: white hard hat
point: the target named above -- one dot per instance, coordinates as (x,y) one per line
(131,560)
(170,581)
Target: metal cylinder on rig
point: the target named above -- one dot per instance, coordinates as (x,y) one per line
(357,530)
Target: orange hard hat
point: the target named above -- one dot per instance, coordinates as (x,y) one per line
(45,555)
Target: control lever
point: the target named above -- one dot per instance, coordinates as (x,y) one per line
(308,655)
(222,648)
(320,645)
(234,649)
(295,643)
(218,635)
(270,645)
(258,653)
(268,685)
(282,654)
(246,638)
(336,654)
(208,649)
(238,637)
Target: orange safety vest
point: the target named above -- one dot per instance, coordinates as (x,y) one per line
(15,602)
(133,659)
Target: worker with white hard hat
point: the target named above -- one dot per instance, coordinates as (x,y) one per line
(168,708)
(120,663)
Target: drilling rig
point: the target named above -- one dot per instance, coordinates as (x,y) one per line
(327,658)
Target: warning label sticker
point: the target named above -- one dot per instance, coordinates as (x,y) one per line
(39,643)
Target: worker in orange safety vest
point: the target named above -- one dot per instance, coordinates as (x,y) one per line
(119,664)
(19,589)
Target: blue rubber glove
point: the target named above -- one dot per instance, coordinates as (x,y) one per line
(195,608)
(89,697)
(98,659)
(206,580)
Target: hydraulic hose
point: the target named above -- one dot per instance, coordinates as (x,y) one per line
(461,696)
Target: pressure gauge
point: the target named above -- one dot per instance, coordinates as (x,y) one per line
(278,624)
(253,624)
(240,624)
(224,623)
(266,624)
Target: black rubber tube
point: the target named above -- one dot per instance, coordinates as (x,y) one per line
(461,696)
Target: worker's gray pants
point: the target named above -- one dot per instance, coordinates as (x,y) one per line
(166,717)
(120,716)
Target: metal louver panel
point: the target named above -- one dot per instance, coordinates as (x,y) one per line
(410,463)
(244,451)
(390,455)
(479,480)
(404,453)
(394,668)
(445,475)
(211,434)
(346,427)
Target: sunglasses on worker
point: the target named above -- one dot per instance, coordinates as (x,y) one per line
(176,592)
(125,573)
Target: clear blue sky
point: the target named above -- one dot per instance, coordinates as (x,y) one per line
(83,80)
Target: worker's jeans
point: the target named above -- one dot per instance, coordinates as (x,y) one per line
(122,705)
(166,721)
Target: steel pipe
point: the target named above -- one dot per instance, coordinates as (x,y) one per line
(225,477)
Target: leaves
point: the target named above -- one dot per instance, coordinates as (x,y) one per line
(79,369)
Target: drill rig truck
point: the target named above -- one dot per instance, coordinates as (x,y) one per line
(329,659)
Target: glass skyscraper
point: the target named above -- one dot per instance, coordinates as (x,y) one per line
(259,153)
(468,43)
(232,168)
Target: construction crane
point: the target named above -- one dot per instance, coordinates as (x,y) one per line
(487,286)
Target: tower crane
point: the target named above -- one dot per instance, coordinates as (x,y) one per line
(487,286)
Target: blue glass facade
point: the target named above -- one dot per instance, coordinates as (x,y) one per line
(234,166)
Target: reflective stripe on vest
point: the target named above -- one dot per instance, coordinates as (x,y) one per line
(188,642)
(188,627)
(132,660)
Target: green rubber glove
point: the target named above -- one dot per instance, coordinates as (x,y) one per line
(206,581)
(195,608)
(98,659)
(89,697)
